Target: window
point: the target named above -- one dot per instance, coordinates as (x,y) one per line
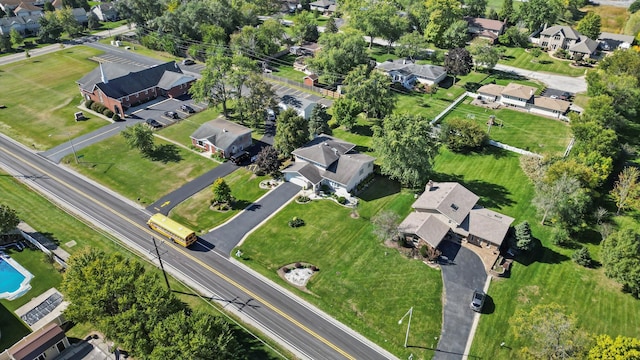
(200,143)
(60,346)
(42,356)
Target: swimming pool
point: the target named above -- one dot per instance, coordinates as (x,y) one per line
(15,279)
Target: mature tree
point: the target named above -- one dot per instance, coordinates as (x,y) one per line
(461,135)
(50,27)
(601,110)
(535,13)
(442,13)
(221,191)
(292,132)
(590,25)
(455,36)
(214,85)
(68,22)
(93,22)
(305,27)
(331,26)
(484,55)
(267,161)
(458,62)
(626,191)
(16,38)
(621,259)
(620,348)
(373,19)
(410,45)
(371,90)
(475,8)
(8,219)
(346,112)
(319,121)
(259,98)
(534,167)
(563,199)
(507,12)
(590,169)
(139,12)
(406,147)
(385,225)
(5,43)
(550,332)
(524,239)
(396,27)
(258,42)
(195,335)
(340,53)
(618,76)
(514,37)
(634,7)
(139,137)
(418,16)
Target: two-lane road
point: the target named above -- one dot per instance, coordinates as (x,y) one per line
(298,325)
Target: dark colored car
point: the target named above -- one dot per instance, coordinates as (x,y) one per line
(188,62)
(171,115)
(565,96)
(154,124)
(187,108)
(240,157)
(477,300)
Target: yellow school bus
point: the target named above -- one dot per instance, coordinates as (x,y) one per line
(171,229)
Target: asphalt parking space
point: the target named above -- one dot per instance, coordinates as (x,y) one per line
(556,93)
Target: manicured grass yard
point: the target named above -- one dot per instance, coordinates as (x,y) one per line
(361,282)
(522,130)
(113,164)
(195,212)
(598,303)
(181,131)
(41,96)
(518,57)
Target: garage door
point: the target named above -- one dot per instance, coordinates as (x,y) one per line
(298,180)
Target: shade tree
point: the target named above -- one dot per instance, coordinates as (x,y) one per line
(267,161)
(221,192)
(371,90)
(346,112)
(319,121)
(458,62)
(8,219)
(461,135)
(340,53)
(139,137)
(292,132)
(626,190)
(621,259)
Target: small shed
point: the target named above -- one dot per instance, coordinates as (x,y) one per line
(310,80)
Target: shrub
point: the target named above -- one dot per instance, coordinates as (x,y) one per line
(560,236)
(314,268)
(424,251)
(402,241)
(115,117)
(535,52)
(342,200)
(296,222)
(88,103)
(298,265)
(325,188)
(303,199)
(286,270)
(582,257)
(108,113)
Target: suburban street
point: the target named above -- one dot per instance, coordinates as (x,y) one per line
(303,329)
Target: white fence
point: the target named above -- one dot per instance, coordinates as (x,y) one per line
(513,149)
(448,108)
(44,249)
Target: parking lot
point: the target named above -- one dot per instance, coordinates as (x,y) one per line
(156,109)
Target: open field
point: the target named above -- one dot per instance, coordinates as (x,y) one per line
(44,96)
(196,214)
(362,283)
(613,18)
(518,57)
(598,303)
(520,129)
(113,164)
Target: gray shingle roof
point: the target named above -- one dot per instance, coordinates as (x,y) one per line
(448,198)
(430,72)
(324,150)
(487,224)
(220,132)
(309,171)
(585,46)
(567,31)
(615,40)
(427,226)
(343,170)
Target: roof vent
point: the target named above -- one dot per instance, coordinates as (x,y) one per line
(454,207)
(225,130)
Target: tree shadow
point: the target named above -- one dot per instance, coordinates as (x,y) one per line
(489,306)
(379,188)
(491,195)
(166,153)
(507,75)
(364,130)
(240,204)
(252,347)
(496,152)
(447,82)
(540,254)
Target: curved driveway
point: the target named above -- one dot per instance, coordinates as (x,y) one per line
(461,276)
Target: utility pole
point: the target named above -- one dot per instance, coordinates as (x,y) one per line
(161,265)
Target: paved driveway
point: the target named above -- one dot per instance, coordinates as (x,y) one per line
(464,274)
(226,237)
(560,82)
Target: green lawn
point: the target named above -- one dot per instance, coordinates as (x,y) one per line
(519,58)
(598,303)
(44,96)
(361,282)
(181,131)
(195,212)
(124,170)
(522,130)
(142,50)
(426,104)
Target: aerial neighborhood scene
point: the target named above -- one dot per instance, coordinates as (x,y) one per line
(331,179)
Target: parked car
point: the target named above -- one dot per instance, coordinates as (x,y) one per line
(477,300)
(188,62)
(171,115)
(271,115)
(153,123)
(240,158)
(186,108)
(565,96)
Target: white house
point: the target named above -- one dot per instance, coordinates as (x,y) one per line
(105,12)
(522,97)
(302,106)
(407,72)
(326,160)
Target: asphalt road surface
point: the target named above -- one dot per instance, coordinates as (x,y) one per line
(299,326)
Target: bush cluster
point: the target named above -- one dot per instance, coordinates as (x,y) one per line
(582,257)
(296,222)
(342,200)
(88,103)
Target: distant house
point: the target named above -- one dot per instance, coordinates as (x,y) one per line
(565,37)
(26,9)
(310,80)
(222,137)
(327,7)
(301,105)
(46,343)
(449,209)
(120,86)
(305,49)
(485,28)
(610,42)
(522,97)
(326,160)
(105,12)
(407,73)
(80,15)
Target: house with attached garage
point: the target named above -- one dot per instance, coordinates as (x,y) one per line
(222,137)
(448,210)
(485,28)
(301,105)
(407,72)
(326,160)
(522,97)
(611,42)
(565,37)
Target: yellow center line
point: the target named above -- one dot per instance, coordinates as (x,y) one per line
(193,258)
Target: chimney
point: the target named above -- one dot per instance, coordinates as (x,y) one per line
(429,185)
(531,93)
(102,75)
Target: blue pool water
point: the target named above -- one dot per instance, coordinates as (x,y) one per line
(11,278)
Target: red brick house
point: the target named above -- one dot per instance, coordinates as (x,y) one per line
(120,86)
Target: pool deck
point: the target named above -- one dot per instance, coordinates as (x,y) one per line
(52,316)
(24,286)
